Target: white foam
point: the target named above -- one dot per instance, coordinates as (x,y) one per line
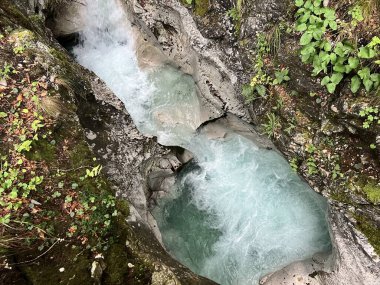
(246,213)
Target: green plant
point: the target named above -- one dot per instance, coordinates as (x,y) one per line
(356,13)
(6,71)
(281,76)
(234,14)
(372,191)
(337,59)
(294,164)
(258,83)
(274,38)
(311,162)
(370,115)
(336,172)
(19,49)
(273,125)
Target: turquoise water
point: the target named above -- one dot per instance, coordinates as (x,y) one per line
(237,212)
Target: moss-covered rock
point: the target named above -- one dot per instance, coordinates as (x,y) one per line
(81,231)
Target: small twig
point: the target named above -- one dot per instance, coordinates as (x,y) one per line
(72,169)
(42,254)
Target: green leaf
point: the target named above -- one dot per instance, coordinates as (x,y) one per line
(317,35)
(355,84)
(302,27)
(374,42)
(26,145)
(368,84)
(330,14)
(339,68)
(261,90)
(327,46)
(366,52)
(333,58)
(3,115)
(336,78)
(299,3)
(331,87)
(304,18)
(375,77)
(364,73)
(348,69)
(325,80)
(247,91)
(309,5)
(306,38)
(333,25)
(318,11)
(353,62)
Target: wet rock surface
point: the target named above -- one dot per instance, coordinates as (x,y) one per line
(128,159)
(335,120)
(177,34)
(200,51)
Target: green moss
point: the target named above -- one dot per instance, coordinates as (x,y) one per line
(123,207)
(43,150)
(372,191)
(116,271)
(370,230)
(75,262)
(201,7)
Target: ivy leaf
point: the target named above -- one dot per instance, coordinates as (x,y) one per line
(331,87)
(325,80)
(368,84)
(304,18)
(299,3)
(333,25)
(317,34)
(309,5)
(329,14)
(353,62)
(302,27)
(366,52)
(336,78)
(306,38)
(364,73)
(339,68)
(375,77)
(318,11)
(374,42)
(333,58)
(327,46)
(355,84)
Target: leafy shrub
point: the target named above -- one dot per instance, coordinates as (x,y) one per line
(336,59)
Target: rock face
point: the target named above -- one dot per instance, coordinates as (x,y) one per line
(180,39)
(195,43)
(131,161)
(205,48)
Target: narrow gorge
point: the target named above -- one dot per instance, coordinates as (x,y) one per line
(257,216)
(210,198)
